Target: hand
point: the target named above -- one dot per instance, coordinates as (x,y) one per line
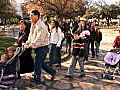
(77,56)
(26,46)
(15,44)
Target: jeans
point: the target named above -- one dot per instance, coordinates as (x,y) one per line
(55,55)
(92,48)
(86,50)
(97,44)
(73,64)
(68,47)
(41,53)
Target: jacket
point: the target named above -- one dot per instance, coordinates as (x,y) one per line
(39,35)
(98,36)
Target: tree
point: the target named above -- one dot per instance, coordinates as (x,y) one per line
(110,11)
(6,9)
(64,8)
(101,8)
(61,8)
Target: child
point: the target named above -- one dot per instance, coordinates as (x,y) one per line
(78,54)
(8,55)
(112,57)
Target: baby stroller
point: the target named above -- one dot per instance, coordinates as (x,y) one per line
(111,60)
(9,70)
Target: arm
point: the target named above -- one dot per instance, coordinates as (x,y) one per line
(114,43)
(60,34)
(29,37)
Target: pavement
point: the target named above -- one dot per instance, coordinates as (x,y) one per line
(92,80)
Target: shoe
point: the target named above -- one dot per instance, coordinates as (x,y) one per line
(68,76)
(93,57)
(96,55)
(36,82)
(82,75)
(58,65)
(53,77)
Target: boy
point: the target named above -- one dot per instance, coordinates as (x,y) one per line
(78,54)
(8,55)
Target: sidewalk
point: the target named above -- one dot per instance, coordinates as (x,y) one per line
(92,80)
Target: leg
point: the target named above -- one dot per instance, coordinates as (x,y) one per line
(72,66)
(52,55)
(86,51)
(69,50)
(48,69)
(92,48)
(97,44)
(58,56)
(81,63)
(41,53)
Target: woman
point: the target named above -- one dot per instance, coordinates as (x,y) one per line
(98,38)
(116,43)
(92,39)
(26,60)
(56,37)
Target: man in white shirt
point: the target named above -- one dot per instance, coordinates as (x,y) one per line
(39,40)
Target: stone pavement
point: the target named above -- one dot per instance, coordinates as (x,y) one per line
(92,80)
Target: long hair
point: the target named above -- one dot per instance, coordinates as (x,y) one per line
(56,24)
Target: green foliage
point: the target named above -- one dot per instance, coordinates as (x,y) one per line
(6,9)
(5,42)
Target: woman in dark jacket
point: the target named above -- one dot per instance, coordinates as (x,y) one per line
(26,60)
(98,38)
(92,39)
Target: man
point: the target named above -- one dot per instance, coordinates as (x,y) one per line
(39,39)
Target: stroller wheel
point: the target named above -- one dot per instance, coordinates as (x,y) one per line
(112,78)
(103,76)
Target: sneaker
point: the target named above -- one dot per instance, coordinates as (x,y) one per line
(53,77)
(96,55)
(36,82)
(82,75)
(68,76)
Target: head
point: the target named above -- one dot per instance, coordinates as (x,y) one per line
(4,58)
(76,35)
(98,30)
(23,25)
(92,27)
(55,24)
(10,51)
(35,15)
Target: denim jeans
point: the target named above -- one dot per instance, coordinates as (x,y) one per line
(97,44)
(41,53)
(92,47)
(86,50)
(73,64)
(55,55)
(68,47)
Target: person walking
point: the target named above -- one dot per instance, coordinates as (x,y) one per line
(56,37)
(98,38)
(116,43)
(92,39)
(39,40)
(78,54)
(25,58)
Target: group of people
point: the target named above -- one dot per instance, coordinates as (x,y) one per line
(44,38)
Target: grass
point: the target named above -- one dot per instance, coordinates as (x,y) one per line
(8,41)
(5,42)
